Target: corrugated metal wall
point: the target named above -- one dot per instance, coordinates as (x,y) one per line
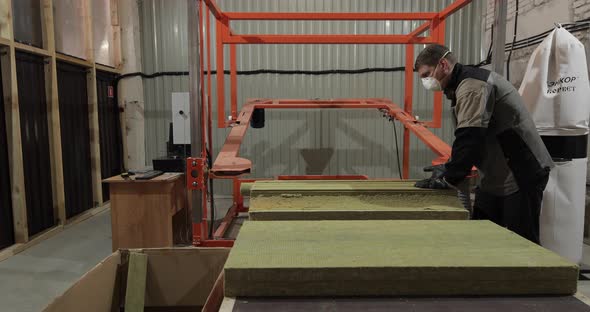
(111,145)
(32,102)
(6,223)
(75,137)
(318,141)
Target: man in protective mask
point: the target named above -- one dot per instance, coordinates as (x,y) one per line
(493,132)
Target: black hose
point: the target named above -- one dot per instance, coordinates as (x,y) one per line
(577,26)
(272,71)
(399,166)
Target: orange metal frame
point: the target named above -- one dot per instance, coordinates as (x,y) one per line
(228,164)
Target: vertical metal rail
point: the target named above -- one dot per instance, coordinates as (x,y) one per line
(500,10)
(408,98)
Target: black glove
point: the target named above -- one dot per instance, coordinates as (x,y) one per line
(436,180)
(438,171)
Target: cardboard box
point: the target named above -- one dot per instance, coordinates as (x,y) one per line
(178,279)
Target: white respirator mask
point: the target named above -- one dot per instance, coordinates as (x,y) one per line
(431,83)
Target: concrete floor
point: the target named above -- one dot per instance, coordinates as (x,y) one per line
(32,278)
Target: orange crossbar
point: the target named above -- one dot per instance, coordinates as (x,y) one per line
(420,30)
(229,165)
(327,39)
(335,16)
(214,9)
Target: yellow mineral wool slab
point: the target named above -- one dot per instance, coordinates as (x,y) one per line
(330,187)
(391,258)
(394,206)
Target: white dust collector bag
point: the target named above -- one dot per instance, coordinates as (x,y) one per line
(555,85)
(556,91)
(562,213)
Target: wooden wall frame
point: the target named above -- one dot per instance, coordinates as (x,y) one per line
(8,48)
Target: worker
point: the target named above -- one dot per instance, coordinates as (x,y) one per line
(493,132)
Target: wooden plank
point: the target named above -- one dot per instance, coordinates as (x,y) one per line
(136,282)
(87,215)
(215,298)
(228,304)
(57,174)
(47,27)
(86,13)
(5,42)
(73,60)
(391,258)
(93,106)
(114,12)
(6,30)
(31,49)
(108,69)
(116,26)
(51,93)
(94,137)
(13,133)
(117,60)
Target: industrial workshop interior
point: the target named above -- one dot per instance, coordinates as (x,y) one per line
(294,155)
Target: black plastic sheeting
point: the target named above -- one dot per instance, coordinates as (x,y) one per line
(75,137)
(6,223)
(35,141)
(111,141)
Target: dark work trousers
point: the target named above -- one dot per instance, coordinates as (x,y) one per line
(519,212)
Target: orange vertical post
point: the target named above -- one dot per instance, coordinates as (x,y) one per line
(408,96)
(220,75)
(237,194)
(233,81)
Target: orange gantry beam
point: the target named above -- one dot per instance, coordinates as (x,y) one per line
(229,165)
(327,39)
(336,16)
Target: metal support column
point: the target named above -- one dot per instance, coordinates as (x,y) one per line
(500,11)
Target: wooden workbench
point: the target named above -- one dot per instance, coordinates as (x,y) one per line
(149,213)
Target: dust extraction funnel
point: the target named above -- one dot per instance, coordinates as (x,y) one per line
(556,91)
